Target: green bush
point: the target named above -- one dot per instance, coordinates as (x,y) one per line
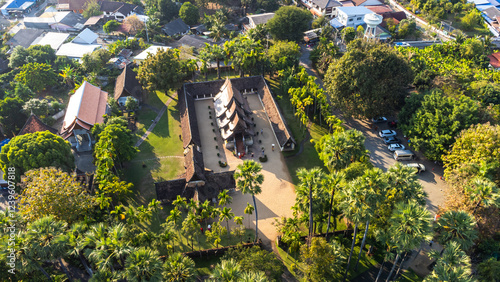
(263,159)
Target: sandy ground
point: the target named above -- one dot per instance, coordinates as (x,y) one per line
(278,194)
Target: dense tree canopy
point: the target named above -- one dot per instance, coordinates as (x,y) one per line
(322,261)
(189,13)
(340,149)
(160,71)
(36,76)
(369,80)
(12,117)
(36,150)
(91,8)
(289,23)
(50,191)
(284,54)
(433,127)
(96,61)
(111,26)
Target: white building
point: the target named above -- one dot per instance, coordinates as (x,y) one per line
(151,50)
(352,16)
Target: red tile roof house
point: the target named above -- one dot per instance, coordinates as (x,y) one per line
(86,107)
(35,124)
(495,60)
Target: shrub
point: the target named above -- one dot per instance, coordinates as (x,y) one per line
(216,147)
(213,130)
(215,138)
(263,159)
(222,164)
(218,154)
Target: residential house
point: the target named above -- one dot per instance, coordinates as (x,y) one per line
(119,10)
(61,21)
(87,36)
(25,37)
(127,86)
(17,7)
(54,39)
(35,124)
(255,20)
(350,16)
(367,2)
(76,51)
(85,108)
(198,29)
(176,27)
(76,6)
(322,7)
(151,50)
(194,41)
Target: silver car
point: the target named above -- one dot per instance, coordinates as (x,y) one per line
(387,133)
(395,146)
(420,167)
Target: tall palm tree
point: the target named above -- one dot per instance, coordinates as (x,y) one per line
(180,203)
(226,214)
(253,276)
(458,226)
(191,227)
(452,265)
(409,225)
(176,218)
(224,198)
(311,180)
(168,234)
(43,235)
(226,271)
(154,207)
(179,268)
(249,210)
(143,264)
(482,191)
(339,149)
(73,238)
(248,179)
(214,53)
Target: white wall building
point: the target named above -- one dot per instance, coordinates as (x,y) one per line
(352,16)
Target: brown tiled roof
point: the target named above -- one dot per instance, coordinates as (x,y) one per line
(495,60)
(190,133)
(215,183)
(193,162)
(398,16)
(382,9)
(34,124)
(77,4)
(128,85)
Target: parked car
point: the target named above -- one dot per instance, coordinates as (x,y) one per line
(379,119)
(402,44)
(396,146)
(387,133)
(391,140)
(420,167)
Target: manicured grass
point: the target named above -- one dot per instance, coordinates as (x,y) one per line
(213,75)
(409,276)
(309,157)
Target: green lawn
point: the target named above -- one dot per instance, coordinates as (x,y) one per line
(309,157)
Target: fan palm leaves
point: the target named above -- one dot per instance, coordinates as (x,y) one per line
(482,191)
(226,271)
(179,268)
(452,265)
(458,226)
(143,264)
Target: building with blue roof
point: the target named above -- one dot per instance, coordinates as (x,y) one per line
(17,6)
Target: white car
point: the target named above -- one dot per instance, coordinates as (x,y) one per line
(387,133)
(420,167)
(396,146)
(379,119)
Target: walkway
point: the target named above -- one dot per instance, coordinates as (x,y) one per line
(155,121)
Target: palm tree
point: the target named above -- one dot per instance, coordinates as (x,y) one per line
(191,227)
(226,215)
(69,75)
(43,236)
(214,53)
(168,234)
(409,225)
(180,203)
(224,198)
(248,179)
(176,217)
(311,180)
(143,264)
(482,191)
(249,210)
(154,207)
(458,226)
(452,265)
(73,238)
(226,271)
(340,149)
(179,268)
(253,276)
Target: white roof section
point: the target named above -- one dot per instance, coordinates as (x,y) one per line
(87,36)
(54,39)
(50,17)
(151,50)
(354,11)
(479,2)
(73,50)
(74,105)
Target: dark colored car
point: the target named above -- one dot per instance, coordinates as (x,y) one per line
(391,140)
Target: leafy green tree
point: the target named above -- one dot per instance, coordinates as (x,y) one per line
(249,178)
(111,26)
(42,54)
(119,137)
(472,20)
(226,271)
(36,76)
(50,191)
(456,226)
(348,34)
(339,150)
(189,13)
(179,267)
(434,126)
(161,71)
(96,61)
(489,270)
(91,8)
(143,264)
(18,57)
(324,54)
(131,104)
(319,22)
(36,150)
(39,107)
(408,29)
(289,23)
(284,54)
(12,117)
(257,259)
(22,92)
(369,80)
(167,9)
(226,214)
(244,54)
(267,5)
(322,261)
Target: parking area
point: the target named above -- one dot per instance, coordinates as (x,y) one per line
(382,158)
